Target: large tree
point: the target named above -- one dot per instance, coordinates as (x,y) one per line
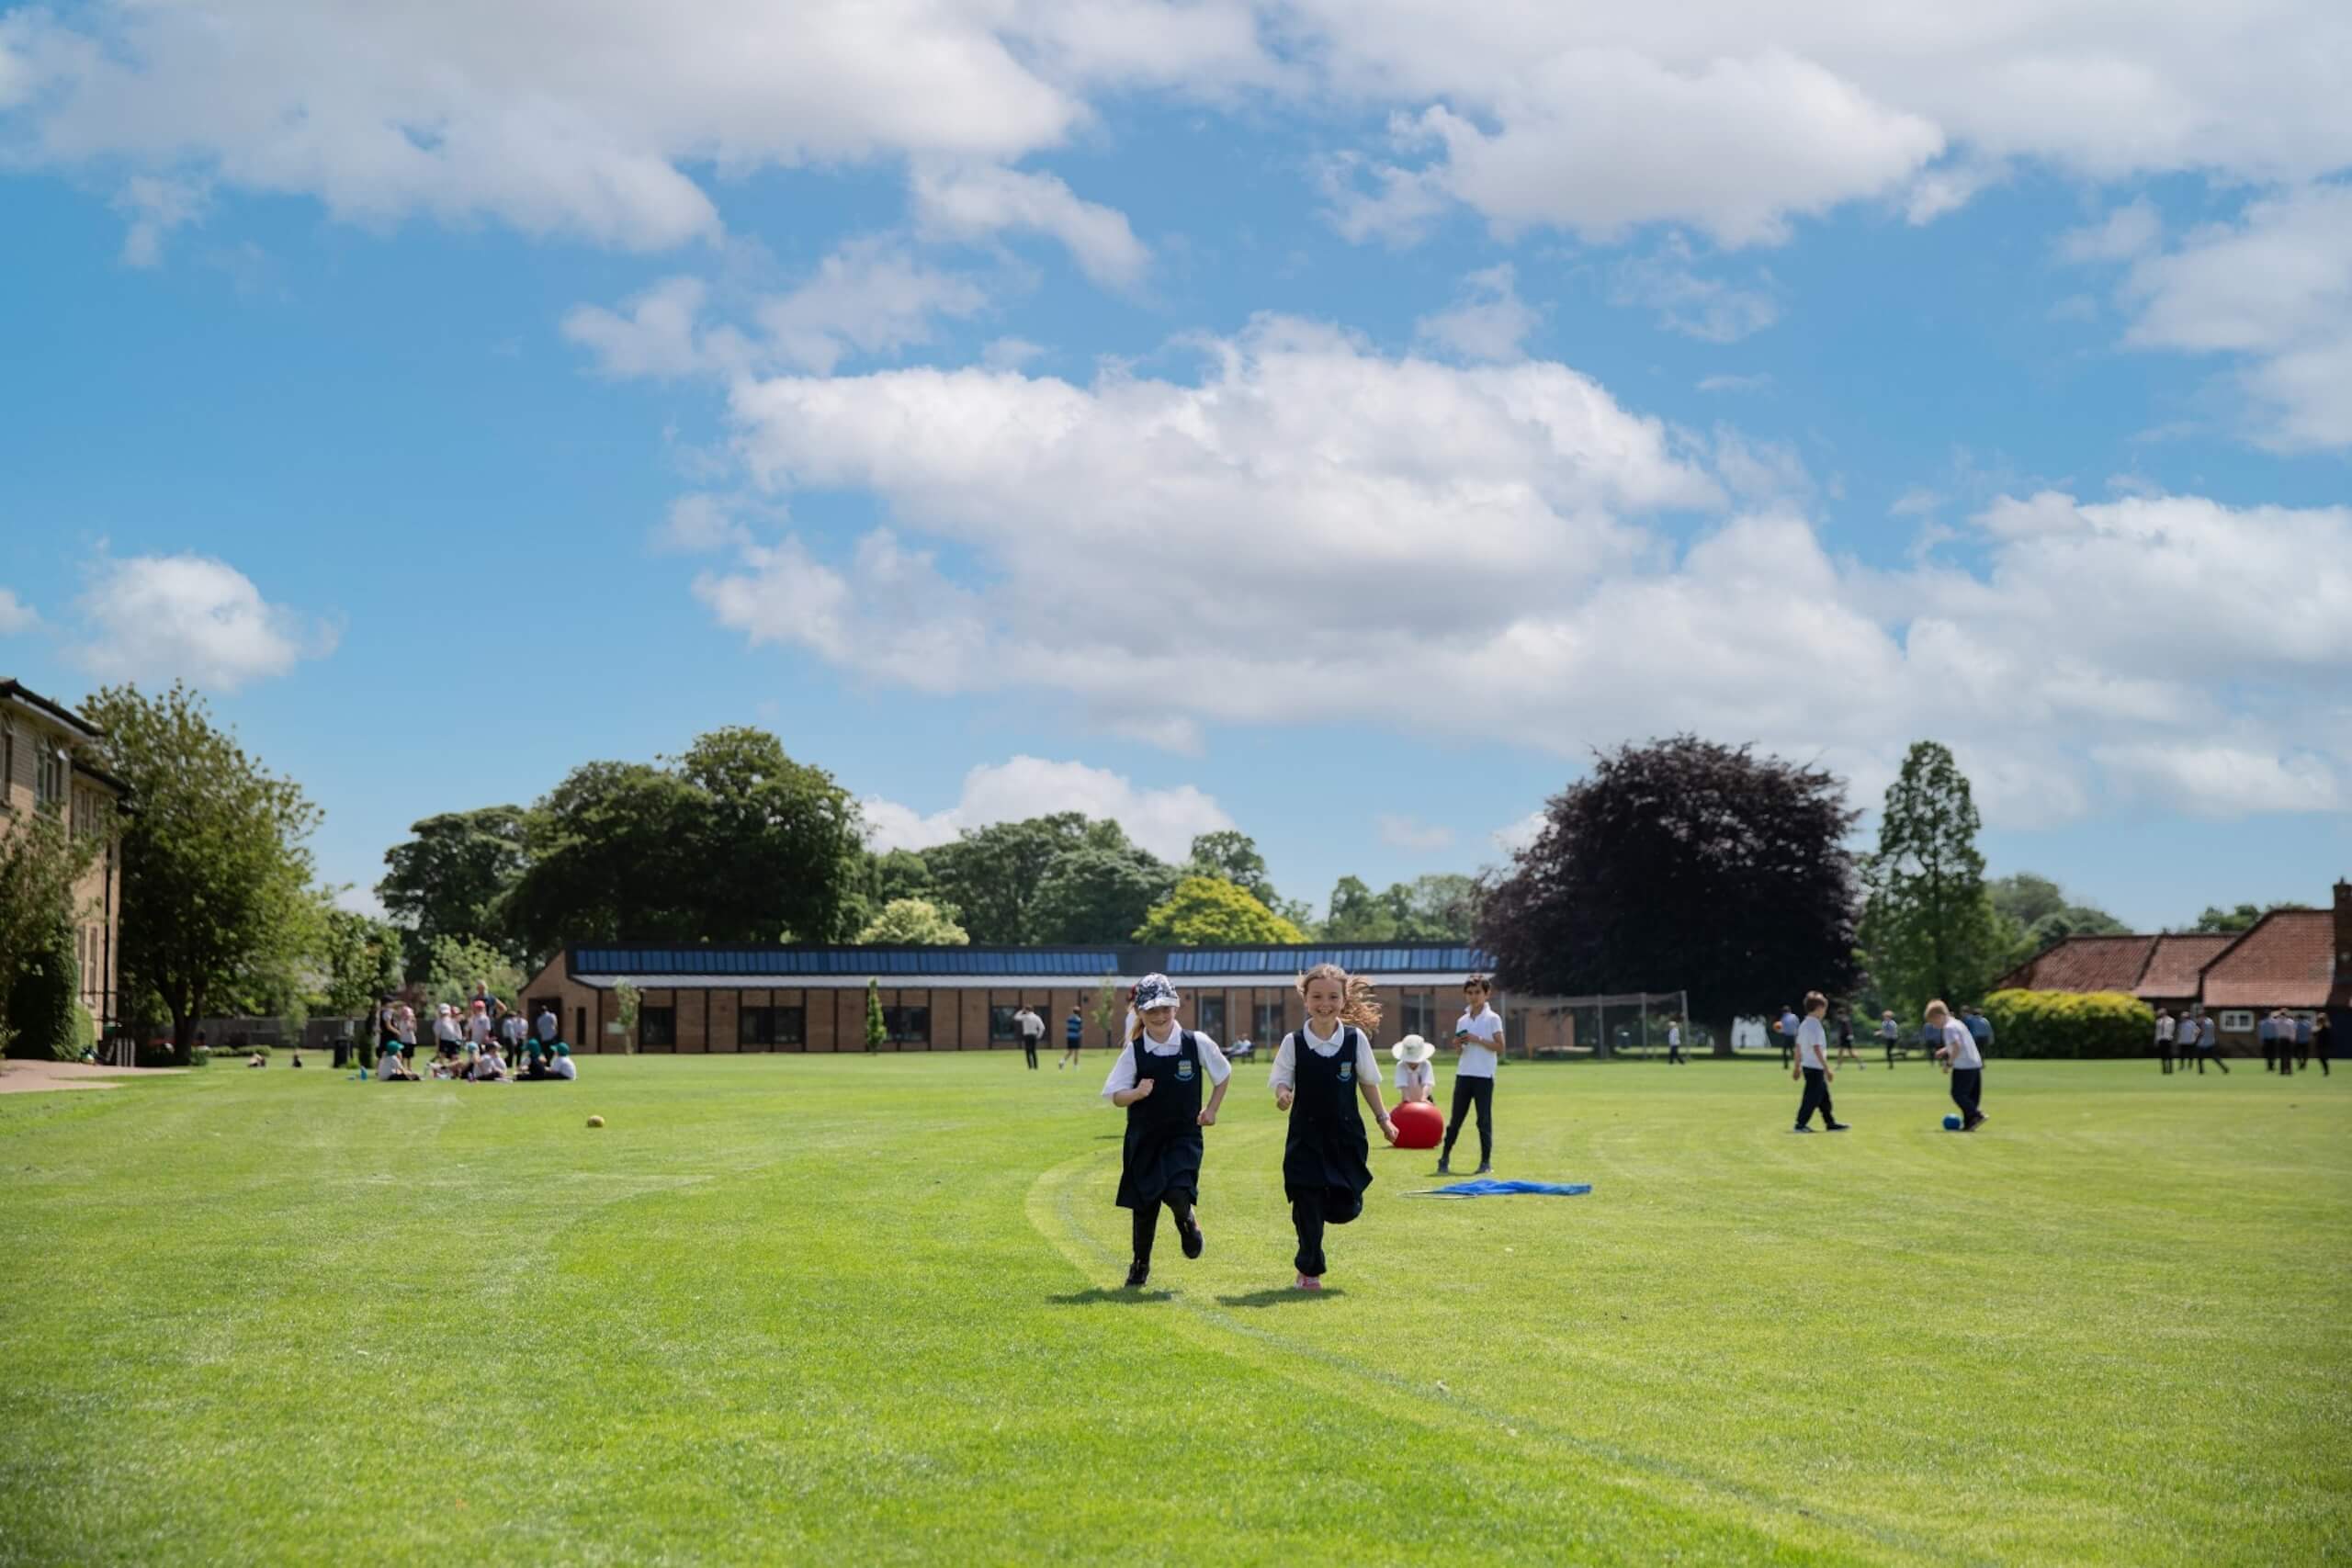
(216,869)
(1099,893)
(993,875)
(2034,911)
(1928,927)
(1686,865)
(1439,908)
(40,862)
(1209,911)
(913,922)
(733,841)
(1232,856)
(452,878)
(359,961)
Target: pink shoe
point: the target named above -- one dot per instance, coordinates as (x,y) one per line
(1309,1283)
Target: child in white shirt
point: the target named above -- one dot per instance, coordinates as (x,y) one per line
(1478,1035)
(1963,1061)
(1416,1076)
(1813,1066)
(1318,1074)
(1157,1080)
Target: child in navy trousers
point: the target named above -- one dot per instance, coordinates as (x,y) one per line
(1157,1080)
(1318,1074)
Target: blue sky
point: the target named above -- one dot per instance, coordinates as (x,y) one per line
(1332,422)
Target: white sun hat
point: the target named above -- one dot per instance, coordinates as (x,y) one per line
(1412,1049)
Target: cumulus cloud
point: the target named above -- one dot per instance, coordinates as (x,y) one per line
(2274,291)
(15,616)
(1484,539)
(192,616)
(1686,301)
(2130,230)
(156,206)
(1514,837)
(976,201)
(869,297)
(1164,821)
(1488,323)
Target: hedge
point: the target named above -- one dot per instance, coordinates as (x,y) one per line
(45,1022)
(2071,1023)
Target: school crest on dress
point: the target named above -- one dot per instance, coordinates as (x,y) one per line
(1347,1072)
(1185,1071)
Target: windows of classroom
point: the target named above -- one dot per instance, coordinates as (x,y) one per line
(1000,1024)
(657,1029)
(1208,1017)
(765,1028)
(1266,1021)
(2238,1020)
(907,1025)
(1418,1014)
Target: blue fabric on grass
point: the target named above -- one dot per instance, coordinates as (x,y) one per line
(1492,1188)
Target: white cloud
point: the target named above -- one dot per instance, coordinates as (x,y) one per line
(2223,779)
(1727,383)
(1010,353)
(1164,821)
(1488,323)
(1514,837)
(2130,230)
(1704,307)
(156,205)
(1484,539)
(15,616)
(1407,833)
(868,296)
(974,201)
(153,617)
(700,523)
(2274,290)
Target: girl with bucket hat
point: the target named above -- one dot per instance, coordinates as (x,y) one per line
(1157,1079)
(1416,1078)
(1318,1074)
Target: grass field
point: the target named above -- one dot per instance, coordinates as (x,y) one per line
(863,1309)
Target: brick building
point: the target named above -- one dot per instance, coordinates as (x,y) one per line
(736,999)
(45,767)
(2296,959)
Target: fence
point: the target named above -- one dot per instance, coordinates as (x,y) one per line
(1600,1027)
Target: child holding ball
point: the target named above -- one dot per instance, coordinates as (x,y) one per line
(1318,1074)
(1158,1080)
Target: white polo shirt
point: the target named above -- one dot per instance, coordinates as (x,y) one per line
(1963,1044)
(1478,1054)
(1415,1074)
(1123,1071)
(2164,1027)
(1810,1041)
(1285,1070)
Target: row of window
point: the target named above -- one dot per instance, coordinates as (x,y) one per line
(788,961)
(53,769)
(1354,960)
(769,1027)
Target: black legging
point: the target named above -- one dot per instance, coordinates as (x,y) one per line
(1147,1218)
(1469,1093)
(1029,1049)
(1312,1208)
(1967,1089)
(1816,1098)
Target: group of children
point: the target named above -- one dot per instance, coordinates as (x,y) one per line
(1320,1072)
(1956,1049)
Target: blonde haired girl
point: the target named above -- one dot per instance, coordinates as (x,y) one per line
(1318,1073)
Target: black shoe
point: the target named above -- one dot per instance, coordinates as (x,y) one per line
(1484,1171)
(1444,1169)
(1189,1233)
(1841,1126)
(1800,1128)
(1136,1274)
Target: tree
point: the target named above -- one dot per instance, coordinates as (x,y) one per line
(216,873)
(1109,1009)
(914,922)
(456,963)
(452,878)
(1234,857)
(1683,864)
(1439,908)
(1209,911)
(2239,919)
(360,958)
(626,1001)
(894,874)
(877,1033)
(1096,894)
(40,862)
(2034,911)
(1928,926)
(1358,914)
(994,874)
(733,841)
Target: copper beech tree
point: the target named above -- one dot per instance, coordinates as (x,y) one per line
(1688,865)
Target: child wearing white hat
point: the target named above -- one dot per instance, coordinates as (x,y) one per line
(1157,1080)
(1416,1077)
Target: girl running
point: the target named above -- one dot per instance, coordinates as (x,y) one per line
(1318,1073)
(1157,1080)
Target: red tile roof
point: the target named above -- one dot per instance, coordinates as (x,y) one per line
(2288,960)
(2083,963)
(2173,968)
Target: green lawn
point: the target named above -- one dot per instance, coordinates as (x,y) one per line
(855,1310)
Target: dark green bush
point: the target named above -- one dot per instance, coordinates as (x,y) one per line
(45,1022)
(2076,1024)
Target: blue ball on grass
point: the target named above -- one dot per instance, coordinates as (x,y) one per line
(1952,1123)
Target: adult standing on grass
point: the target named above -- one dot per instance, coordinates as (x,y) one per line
(546,1026)
(1786,1028)
(1157,1079)
(1478,1035)
(1033,1031)
(2164,1037)
(2268,1032)
(1813,1066)
(1980,1029)
(1964,1060)
(1674,1057)
(1316,1076)
(2304,1043)
(1889,1032)
(2322,1042)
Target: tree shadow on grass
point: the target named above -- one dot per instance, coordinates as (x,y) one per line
(1275,1295)
(1115,1297)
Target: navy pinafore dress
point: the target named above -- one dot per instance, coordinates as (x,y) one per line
(1327,1149)
(1163,1148)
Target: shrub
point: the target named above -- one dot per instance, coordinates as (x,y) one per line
(45,1022)
(2086,1024)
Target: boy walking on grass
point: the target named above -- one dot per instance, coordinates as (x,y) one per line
(1813,1066)
(1964,1060)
